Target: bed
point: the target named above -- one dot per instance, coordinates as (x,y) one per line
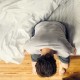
(18,19)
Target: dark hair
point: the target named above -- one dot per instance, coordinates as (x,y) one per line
(46,65)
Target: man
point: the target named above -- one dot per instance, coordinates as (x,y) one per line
(49,39)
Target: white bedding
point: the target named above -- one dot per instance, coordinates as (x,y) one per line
(17,19)
(69,15)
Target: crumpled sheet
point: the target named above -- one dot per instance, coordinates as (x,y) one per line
(69,15)
(17,21)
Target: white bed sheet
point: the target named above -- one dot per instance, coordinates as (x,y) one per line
(17,19)
(69,15)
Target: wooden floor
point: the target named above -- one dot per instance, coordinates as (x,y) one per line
(24,71)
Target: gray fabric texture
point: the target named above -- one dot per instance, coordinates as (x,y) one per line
(49,34)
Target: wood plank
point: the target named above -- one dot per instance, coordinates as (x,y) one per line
(23,71)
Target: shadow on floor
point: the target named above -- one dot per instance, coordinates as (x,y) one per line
(75,76)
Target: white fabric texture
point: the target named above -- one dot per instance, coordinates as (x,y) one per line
(17,19)
(49,34)
(69,15)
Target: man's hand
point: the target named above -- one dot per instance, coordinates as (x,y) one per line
(33,68)
(62,67)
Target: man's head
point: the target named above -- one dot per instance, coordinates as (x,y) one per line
(46,65)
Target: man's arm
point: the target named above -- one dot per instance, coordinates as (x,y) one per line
(33,67)
(63,64)
(63,67)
